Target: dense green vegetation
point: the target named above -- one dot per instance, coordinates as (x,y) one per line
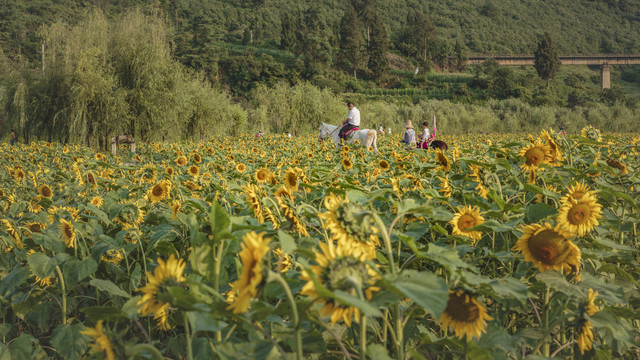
(83,71)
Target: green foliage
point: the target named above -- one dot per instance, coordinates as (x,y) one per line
(417,39)
(378,46)
(351,39)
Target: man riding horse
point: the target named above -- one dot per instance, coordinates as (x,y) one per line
(351,123)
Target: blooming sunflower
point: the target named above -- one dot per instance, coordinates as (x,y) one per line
(549,248)
(68,233)
(159,191)
(263,175)
(45,191)
(340,268)
(383,165)
(35,227)
(196,158)
(97,201)
(102,341)
(350,225)
(240,167)
(194,170)
(535,155)
(579,216)
(254,248)
(347,164)
(616,164)
(443,160)
(291,180)
(467,217)
(181,161)
(464,315)
(169,170)
(165,275)
(577,191)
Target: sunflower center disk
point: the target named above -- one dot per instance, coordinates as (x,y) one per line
(461,309)
(466,221)
(534,156)
(548,247)
(578,214)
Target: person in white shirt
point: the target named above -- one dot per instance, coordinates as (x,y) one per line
(352,121)
(425,137)
(381,129)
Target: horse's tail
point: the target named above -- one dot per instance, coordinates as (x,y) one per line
(372,138)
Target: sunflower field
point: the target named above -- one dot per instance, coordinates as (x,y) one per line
(502,247)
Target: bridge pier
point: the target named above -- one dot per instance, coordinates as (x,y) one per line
(605,76)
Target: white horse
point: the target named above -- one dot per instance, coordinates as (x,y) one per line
(367,137)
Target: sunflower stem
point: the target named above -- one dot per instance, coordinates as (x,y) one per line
(363,336)
(216,276)
(187,336)
(64,295)
(136,349)
(273,276)
(387,241)
(546,347)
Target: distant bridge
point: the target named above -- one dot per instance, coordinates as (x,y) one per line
(603,60)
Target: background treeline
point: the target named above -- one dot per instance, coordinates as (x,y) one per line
(83,71)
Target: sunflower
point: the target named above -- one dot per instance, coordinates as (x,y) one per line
(130,216)
(68,233)
(285,201)
(175,208)
(535,155)
(579,216)
(253,197)
(383,165)
(591,133)
(240,167)
(350,225)
(341,268)
(464,315)
(347,164)
(478,176)
(102,341)
(443,160)
(284,262)
(616,164)
(35,227)
(445,186)
(165,275)
(194,170)
(467,217)
(555,153)
(169,170)
(196,158)
(585,337)
(549,248)
(577,191)
(45,191)
(97,201)
(254,248)
(291,180)
(13,233)
(112,256)
(263,175)
(181,161)
(159,191)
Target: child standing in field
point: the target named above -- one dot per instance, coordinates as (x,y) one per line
(409,136)
(425,137)
(12,137)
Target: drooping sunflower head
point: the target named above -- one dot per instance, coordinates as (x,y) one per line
(284,261)
(478,174)
(535,155)
(11,230)
(445,186)
(350,224)
(291,180)
(464,315)
(252,193)
(340,268)
(101,339)
(589,306)
(591,133)
(585,336)
(549,248)
(555,153)
(45,191)
(68,233)
(443,160)
(254,249)
(165,275)
(579,216)
(617,164)
(465,218)
(35,227)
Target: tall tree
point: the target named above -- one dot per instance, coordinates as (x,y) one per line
(315,39)
(416,38)
(378,62)
(547,61)
(351,39)
(289,26)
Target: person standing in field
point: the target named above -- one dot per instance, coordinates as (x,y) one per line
(409,136)
(425,137)
(12,137)
(352,121)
